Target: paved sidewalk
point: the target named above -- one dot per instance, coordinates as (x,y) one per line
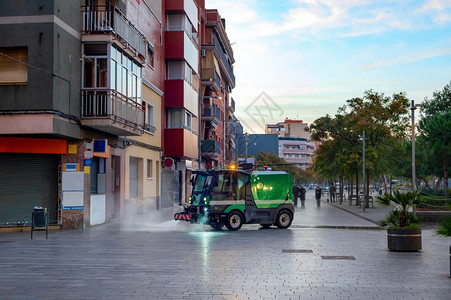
(323,255)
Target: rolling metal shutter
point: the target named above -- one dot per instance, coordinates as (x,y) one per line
(133,193)
(27,180)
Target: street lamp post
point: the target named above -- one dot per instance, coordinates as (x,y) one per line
(364,184)
(413,107)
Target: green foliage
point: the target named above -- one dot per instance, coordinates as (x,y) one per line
(435,130)
(440,102)
(444,227)
(400,216)
(384,120)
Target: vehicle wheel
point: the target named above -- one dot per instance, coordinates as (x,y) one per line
(234,220)
(284,219)
(265,226)
(217,226)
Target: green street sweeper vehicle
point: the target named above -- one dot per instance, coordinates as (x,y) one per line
(236,197)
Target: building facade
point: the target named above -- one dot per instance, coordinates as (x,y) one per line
(107,106)
(297,151)
(289,128)
(218,80)
(182,83)
(81,97)
(294,142)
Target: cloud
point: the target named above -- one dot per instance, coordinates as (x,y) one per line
(411,58)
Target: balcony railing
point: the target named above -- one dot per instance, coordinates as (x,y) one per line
(224,58)
(192,35)
(231,107)
(211,75)
(108,19)
(212,114)
(110,104)
(211,146)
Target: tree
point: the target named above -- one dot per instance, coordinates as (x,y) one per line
(436,136)
(385,121)
(435,131)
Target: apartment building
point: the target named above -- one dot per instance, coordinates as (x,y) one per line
(182,83)
(297,151)
(289,128)
(293,140)
(217,108)
(81,106)
(102,105)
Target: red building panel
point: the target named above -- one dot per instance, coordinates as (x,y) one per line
(174,44)
(174,93)
(174,5)
(173,139)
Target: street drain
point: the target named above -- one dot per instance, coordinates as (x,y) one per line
(296,251)
(338,257)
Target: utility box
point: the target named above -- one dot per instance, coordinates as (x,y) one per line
(40,220)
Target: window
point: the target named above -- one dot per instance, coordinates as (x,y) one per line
(149,168)
(123,76)
(13,68)
(98,175)
(188,119)
(150,55)
(175,118)
(149,118)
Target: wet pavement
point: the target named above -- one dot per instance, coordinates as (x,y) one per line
(328,253)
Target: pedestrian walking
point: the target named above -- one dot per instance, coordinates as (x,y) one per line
(302,192)
(332,191)
(318,195)
(295,194)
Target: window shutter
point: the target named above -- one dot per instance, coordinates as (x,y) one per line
(12,71)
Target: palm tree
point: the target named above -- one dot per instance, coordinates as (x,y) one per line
(400,217)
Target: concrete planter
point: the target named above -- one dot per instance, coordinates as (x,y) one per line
(406,239)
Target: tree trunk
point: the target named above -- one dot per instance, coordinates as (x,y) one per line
(445,175)
(384,183)
(390,184)
(367,196)
(437,185)
(357,185)
(426,183)
(342,183)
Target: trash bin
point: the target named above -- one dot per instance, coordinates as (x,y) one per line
(380,192)
(40,220)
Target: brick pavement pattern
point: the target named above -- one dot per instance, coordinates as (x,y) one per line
(147,259)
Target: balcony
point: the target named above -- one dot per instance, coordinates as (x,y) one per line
(110,111)
(231,107)
(224,60)
(210,77)
(212,115)
(210,148)
(108,20)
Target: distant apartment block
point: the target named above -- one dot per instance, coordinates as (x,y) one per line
(293,142)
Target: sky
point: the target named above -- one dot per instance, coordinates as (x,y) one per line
(302,59)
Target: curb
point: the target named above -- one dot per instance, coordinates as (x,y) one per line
(355,214)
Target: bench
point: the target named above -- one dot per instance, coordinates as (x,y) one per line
(353,198)
(370,200)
